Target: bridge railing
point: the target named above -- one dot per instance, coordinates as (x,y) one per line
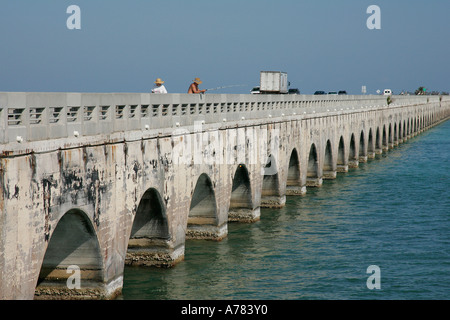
(42,116)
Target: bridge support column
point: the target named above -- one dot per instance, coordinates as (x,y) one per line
(273,201)
(205,231)
(363,159)
(342,168)
(371,155)
(329,175)
(244,215)
(379,151)
(149,252)
(353,163)
(295,190)
(56,287)
(314,182)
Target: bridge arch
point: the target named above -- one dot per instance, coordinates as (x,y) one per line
(353,161)
(293,183)
(390,137)
(270,193)
(378,145)
(370,145)
(73,244)
(362,148)
(202,209)
(329,169)
(385,139)
(395,136)
(312,174)
(150,221)
(241,204)
(150,239)
(342,163)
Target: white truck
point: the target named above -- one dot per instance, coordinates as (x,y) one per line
(273,82)
(387,92)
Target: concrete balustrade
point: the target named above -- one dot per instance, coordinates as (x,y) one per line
(42,116)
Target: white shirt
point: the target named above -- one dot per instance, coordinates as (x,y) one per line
(160,89)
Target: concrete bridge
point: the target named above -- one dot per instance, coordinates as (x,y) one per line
(91,182)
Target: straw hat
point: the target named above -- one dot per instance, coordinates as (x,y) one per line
(159,81)
(198,81)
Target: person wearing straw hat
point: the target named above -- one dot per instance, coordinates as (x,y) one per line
(159,88)
(193,88)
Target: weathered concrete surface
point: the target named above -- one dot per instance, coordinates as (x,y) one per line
(131,190)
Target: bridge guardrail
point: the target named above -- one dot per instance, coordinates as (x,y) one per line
(42,116)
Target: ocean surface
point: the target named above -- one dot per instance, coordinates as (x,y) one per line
(392,212)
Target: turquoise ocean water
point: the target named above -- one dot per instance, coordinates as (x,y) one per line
(392,212)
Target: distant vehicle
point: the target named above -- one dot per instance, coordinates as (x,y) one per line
(387,92)
(319,92)
(342,92)
(294,91)
(255,90)
(273,82)
(334,93)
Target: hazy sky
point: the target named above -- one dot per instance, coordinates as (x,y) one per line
(123,46)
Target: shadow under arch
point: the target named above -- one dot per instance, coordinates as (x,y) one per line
(353,160)
(73,244)
(202,219)
(241,204)
(395,135)
(378,145)
(362,148)
(270,192)
(405,132)
(293,182)
(385,143)
(150,220)
(312,175)
(370,145)
(390,137)
(329,169)
(342,163)
(150,241)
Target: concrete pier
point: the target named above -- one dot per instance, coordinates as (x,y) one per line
(91,182)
